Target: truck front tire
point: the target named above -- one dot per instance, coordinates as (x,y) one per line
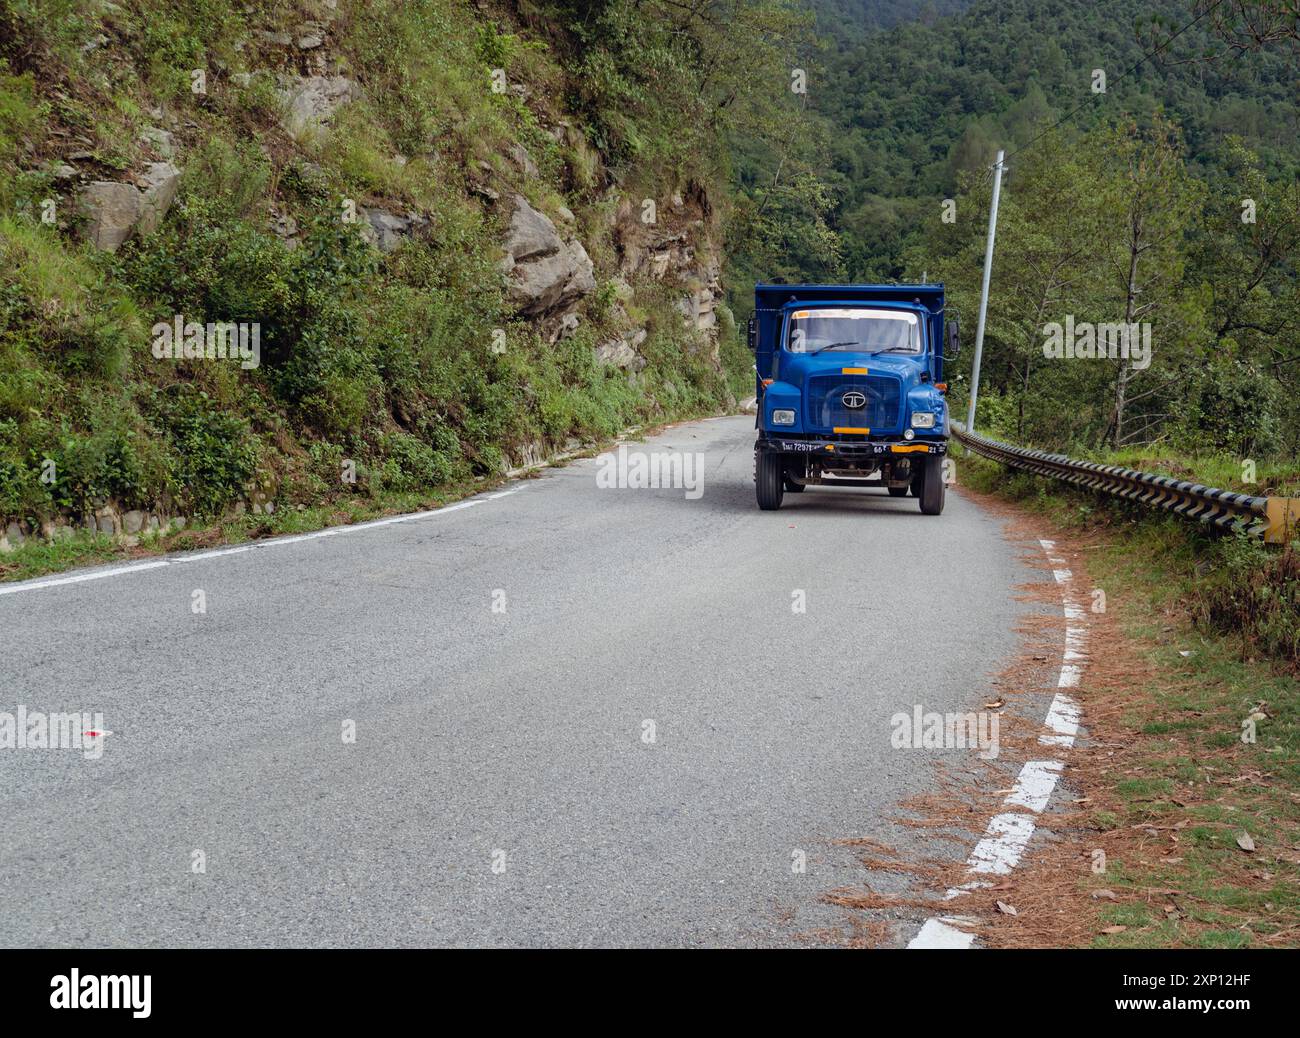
(932,487)
(769,480)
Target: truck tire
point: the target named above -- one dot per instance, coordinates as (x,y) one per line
(769,480)
(932,488)
(898,491)
(916,484)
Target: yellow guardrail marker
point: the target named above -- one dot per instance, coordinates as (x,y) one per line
(1283,519)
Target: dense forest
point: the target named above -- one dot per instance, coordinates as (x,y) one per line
(1159,133)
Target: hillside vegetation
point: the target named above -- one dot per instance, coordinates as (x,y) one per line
(466,234)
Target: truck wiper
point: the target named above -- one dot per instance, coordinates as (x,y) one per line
(832,346)
(892,349)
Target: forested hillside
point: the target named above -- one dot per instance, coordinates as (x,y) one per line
(1185,163)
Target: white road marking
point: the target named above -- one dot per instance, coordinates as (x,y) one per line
(1008,833)
(271,542)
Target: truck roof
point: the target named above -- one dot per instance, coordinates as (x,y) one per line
(773,297)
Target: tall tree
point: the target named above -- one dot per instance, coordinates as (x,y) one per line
(1152,200)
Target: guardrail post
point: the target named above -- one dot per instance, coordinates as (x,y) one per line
(1283,519)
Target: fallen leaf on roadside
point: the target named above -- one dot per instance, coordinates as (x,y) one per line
(1109,895)
(1006,909)
(1245,842)
(1114,929)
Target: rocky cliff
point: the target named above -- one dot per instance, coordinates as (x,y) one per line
(445,273)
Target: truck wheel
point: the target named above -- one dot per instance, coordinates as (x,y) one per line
(916,485)
(791,487)
(932,488)
(769,481)
(898,491)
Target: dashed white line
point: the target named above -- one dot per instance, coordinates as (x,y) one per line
(272,542)
(1008,833)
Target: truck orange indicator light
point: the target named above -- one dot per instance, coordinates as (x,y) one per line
(853,371)
(850,429)
(897,449)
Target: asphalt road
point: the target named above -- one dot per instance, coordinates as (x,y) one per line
(479,731)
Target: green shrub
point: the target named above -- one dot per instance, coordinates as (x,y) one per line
(215,453)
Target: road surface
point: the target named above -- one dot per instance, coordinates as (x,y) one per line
(632,748)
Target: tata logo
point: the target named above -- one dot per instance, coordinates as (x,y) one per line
(854,401)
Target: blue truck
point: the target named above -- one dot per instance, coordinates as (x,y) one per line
(850,389)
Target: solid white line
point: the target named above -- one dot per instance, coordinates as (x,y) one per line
(1008,833)
(36,585)
(272,542)
(936,933)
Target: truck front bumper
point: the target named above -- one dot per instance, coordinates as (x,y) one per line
(850,448)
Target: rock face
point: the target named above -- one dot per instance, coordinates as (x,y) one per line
(115,211)
(622,352)
(311,101)
(161,181)
(546,272)
(386,230)
(112,210)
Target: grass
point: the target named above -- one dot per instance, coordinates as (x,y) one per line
(1178,713)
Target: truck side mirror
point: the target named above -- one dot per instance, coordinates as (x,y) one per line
(952,338)
(753,335)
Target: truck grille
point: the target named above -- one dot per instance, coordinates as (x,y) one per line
(881,413)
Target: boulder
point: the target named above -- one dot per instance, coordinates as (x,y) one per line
(622,352)
(386,230)
(545,271)
(531,234)
(161,181)
(552,281)
(115,210)
(112,211)
(311,101)
(520,157)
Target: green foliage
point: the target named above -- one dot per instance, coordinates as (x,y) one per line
(384,360)
(215,453)
(1255,594)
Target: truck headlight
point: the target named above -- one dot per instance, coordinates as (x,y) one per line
(782,417)
(922,419)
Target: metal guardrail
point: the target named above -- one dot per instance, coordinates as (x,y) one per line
(1274,519)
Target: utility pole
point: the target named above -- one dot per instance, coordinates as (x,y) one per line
(984,294)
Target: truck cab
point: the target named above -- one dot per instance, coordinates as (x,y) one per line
(850,389)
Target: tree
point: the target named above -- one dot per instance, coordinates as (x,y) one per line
(1152,201)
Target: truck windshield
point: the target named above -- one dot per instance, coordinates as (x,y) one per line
(855,329)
